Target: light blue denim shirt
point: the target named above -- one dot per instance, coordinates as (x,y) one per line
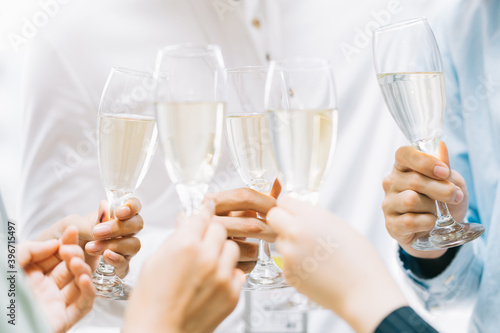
(469,40)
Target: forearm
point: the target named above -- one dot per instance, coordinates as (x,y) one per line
(375,296)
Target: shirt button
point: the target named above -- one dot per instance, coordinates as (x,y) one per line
(268,57)
(256,23)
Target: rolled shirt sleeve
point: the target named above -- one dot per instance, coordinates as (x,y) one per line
(457,283)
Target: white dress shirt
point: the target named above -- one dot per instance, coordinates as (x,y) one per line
(69,61)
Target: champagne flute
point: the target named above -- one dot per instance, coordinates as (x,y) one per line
(411,78)
(190,105)
(127,143)
(301,109)
(302,113)
(249,141)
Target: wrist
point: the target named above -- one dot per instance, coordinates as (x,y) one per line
(368,307)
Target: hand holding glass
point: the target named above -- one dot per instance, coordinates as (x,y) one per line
(127,142)
(411,78)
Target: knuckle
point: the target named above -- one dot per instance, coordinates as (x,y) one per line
(415,181)
(387,183)
(223,281)
(253,228)
(140,223)
(244,195)
(136,245)
(208,267)
(400,153)
(386,205)
(187,244)
(410,200)
(408,222)
(219,229)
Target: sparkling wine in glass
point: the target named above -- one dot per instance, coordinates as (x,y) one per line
(249,140)
(190,105)
(127,143)
(302,113)
(410,76)
(301,109)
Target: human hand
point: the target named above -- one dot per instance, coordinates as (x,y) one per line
(416,181)
(237,211)
(190,284)
(60,278)
(333,265)
(114,239)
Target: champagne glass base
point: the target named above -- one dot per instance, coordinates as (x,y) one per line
(438,241)
(110,286)
(266,275)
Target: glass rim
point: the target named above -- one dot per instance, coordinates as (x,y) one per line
(204,48)
(316,63)
(400,24)
(131,71)
(247,69)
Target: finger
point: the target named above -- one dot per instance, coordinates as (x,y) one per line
(131,208)
(67,252)
(408,224)
(196,224)
(118,228)
(126,246)
(62,274)
(103,211)
(276,190)
(246,267)
(441,190)
(248,251)
(246,227)
(34,252)
(83,304)
(71,290)
(280,220)
(118,261)
(228,258)
(295,206)
(242,199)
(443,153)
(213,242)
(237,282)
(70,235)
(412,202)
(410,159)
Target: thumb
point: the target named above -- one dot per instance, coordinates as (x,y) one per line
(443,153)
(103,211)
(276,190)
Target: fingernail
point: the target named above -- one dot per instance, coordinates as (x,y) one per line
(460,195)
(94,246)
(123,210)
(440,171)
(102,229)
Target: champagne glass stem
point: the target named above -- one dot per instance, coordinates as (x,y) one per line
(264,252)
(446,227)
(105,280)
(264,255)
(266,273)
(191,196)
